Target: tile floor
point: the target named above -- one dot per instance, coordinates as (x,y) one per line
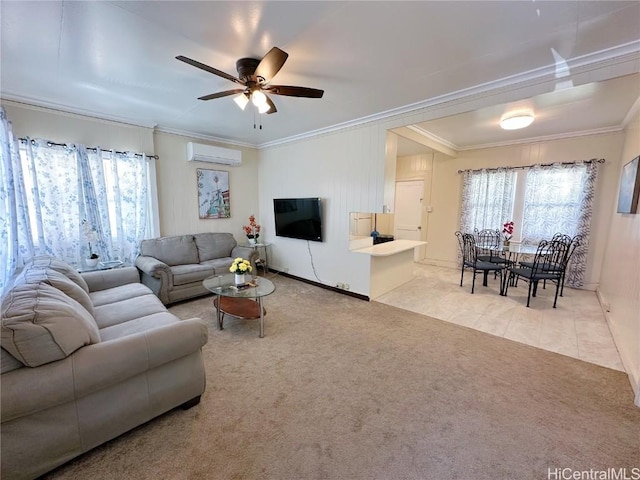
(576,328)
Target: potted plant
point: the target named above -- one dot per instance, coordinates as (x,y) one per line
(507,231)
(91,235)
(252,230)
(240,267)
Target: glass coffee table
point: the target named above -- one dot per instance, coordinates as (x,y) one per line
(239,302)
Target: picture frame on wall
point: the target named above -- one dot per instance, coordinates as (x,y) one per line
(629,187)
(213,194)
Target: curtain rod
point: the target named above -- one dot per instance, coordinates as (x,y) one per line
(95,149)
(593,160)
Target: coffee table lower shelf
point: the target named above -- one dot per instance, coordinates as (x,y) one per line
(240,308)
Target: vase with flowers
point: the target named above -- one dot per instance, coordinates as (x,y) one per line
(239,268)
(252,231)
(91,235)
(507,232)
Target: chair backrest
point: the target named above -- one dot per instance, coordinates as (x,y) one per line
(459,234)
(576,242)
(561,237)
(487,238)
(543,257)
(469,251)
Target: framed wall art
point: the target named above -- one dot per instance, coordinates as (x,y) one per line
(213,194)
(629,187)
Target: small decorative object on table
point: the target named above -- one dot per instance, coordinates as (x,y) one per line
(240,267)
(507,230)
(92,236)
(252,230)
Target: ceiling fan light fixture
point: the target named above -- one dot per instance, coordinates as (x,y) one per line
(515,121)
(259,99)
(241,100)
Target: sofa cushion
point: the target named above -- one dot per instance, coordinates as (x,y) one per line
(177,250)
(8,362)
(128,309)
(35,274)
(61,267)
(141,324)
(220,265)
(40,324)
(214,245)
(117,294)
(183,274)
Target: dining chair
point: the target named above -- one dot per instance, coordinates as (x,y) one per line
(561,248)
(546,265)
(471,261)
(488,242)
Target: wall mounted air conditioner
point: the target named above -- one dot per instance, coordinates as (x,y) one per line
(197,152)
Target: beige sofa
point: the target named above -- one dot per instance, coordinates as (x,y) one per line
(174,267)
(86,358)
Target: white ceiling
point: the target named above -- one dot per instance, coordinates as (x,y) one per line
(117,59)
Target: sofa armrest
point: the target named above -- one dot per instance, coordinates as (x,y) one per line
(103,279)
(152,266)
(98,366)
(248,253)
(156,275)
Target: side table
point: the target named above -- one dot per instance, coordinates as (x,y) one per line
(257,246)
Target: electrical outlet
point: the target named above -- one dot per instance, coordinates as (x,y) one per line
(340,285)
(346,286)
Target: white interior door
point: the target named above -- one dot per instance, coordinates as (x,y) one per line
(408,213)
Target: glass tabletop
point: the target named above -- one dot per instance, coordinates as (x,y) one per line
(225,285)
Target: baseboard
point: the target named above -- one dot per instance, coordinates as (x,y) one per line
(630,369)
(321,285)
(439,263)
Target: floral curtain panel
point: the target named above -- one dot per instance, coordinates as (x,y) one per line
(15,237)
(559,199)
(47,192)
(487,199)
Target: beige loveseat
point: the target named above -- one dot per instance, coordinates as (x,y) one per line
(174,267)
(86,358)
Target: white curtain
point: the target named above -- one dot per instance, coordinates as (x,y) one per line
(15,234)
(559,199)
(47,191)
(487,199)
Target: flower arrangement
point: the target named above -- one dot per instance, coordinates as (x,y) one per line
(91,235)
(253,229)
(240,266)
(507,230)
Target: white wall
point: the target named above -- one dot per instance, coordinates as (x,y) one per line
(620,276)
(178,195)
(345,169)
(447,185)
(62,127)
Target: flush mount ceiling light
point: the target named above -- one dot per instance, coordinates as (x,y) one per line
(514,121)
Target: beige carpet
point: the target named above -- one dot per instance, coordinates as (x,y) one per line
(345,389)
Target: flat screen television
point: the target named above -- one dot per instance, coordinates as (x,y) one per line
(298,218)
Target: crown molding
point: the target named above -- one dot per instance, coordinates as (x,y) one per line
(427,134)
(200,136)
(66,110)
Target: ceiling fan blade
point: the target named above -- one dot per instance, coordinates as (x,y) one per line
(221,94)
(273,108)
(271,64)
(209,69)
(291,91)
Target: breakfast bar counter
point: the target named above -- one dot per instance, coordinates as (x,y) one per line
(391,264)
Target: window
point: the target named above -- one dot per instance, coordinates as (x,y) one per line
(66,184)
(553,201)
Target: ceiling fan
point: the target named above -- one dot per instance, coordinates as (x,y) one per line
(255,75)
